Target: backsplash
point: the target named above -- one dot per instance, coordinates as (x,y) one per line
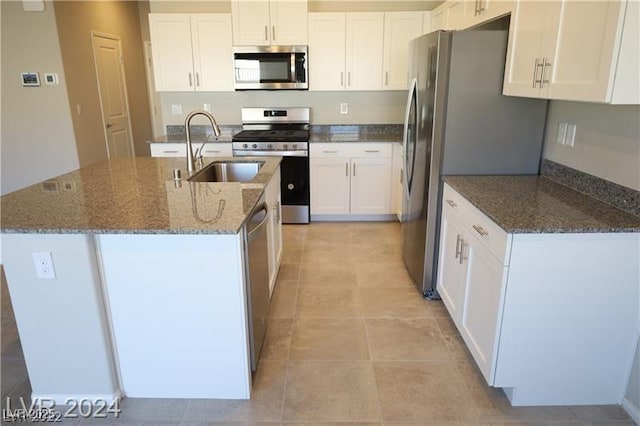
(619,196)
(378,129)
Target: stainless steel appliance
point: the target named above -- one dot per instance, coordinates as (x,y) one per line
(282,132)
(458,123)
(270,68)
(257,271)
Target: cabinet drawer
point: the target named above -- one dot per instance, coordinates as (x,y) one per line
(490,234)
(216,149)
(352,149)
(168,150)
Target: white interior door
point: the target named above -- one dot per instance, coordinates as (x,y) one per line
(107,53)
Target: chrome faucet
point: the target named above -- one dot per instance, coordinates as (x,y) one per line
(187,125)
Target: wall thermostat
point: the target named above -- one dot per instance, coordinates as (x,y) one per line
(30,79)
(51,79)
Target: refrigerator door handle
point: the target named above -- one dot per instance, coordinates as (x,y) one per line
(413,92)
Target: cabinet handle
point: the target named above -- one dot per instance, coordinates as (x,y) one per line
(273,32)
(349,78)
(535,73)
(330,152)
(458,239)
(545,64)
(452,203)
(190,80)
(341,78)
(386,78)
(480,8)
(346,169)
(266,33)
(480,230)
(476,12)
(212,152)
(170,152)
(198,79)
(371,150)
(354,169)
(461,258)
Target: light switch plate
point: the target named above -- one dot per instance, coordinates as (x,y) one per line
(344,108)
(562,133)
(176,109)
(570,138)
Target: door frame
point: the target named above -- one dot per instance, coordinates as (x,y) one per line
(96,34)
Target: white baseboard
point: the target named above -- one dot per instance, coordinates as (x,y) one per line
(632,410)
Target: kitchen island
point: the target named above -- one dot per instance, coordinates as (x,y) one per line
(148,296)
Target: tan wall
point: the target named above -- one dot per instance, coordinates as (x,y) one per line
(76,20)
(37,135)
(607,142)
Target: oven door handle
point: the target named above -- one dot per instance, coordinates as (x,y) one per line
(244,153)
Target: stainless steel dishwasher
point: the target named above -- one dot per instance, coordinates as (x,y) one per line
(257,273)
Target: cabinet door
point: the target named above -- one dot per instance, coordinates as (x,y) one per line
(524,63)
(455,12)
(212,53)
(364,50)
(288,22)
(585,57)
(399,29)
(172,57)
(371,186)
(439,19)
(217,149)
(274,230)
(485,283)
(329,179)
(250,22)
(479,11)
(326,51)
(450,282)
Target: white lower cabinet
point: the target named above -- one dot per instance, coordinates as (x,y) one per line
(274,230)
(163,149)
(540,312)
(349,179)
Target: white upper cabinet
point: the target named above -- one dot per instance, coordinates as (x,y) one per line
(399,29)
(364,50)
(184,57)
(327,34)
(574,50)
(478,11)
(345,51)
(269,22)
(448,16)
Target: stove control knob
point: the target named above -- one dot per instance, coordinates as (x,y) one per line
(294,146)
(254,146)
(285,146)
(270,146)
(244,145)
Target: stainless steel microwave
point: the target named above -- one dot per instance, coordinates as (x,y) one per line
(270,68)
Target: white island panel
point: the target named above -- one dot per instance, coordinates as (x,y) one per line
(179,314)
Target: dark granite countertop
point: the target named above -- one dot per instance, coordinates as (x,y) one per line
(199,138)
(134,196)
(355,137)
(535,204)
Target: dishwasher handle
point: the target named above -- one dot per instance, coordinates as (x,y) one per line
(252,231)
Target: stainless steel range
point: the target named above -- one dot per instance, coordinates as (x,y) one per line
(280,132)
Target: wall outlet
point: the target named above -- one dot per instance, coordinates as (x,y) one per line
(176,109)
(344,108)
(206,107)
(44,265)
(562,133)
(570,139)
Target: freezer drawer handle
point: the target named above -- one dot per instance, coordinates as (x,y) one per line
(480,230)
(452,203)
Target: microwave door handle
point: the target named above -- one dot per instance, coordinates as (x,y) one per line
(292,67)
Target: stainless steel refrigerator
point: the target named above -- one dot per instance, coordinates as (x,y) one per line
(458,123)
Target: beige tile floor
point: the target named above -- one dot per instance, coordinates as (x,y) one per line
(349,341)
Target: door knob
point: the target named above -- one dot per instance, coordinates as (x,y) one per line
(108,125)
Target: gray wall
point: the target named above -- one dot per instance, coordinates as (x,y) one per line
(607,141)
(633,389)
(364,107)
(37,134)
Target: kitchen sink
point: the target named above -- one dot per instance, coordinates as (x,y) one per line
(227,171)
